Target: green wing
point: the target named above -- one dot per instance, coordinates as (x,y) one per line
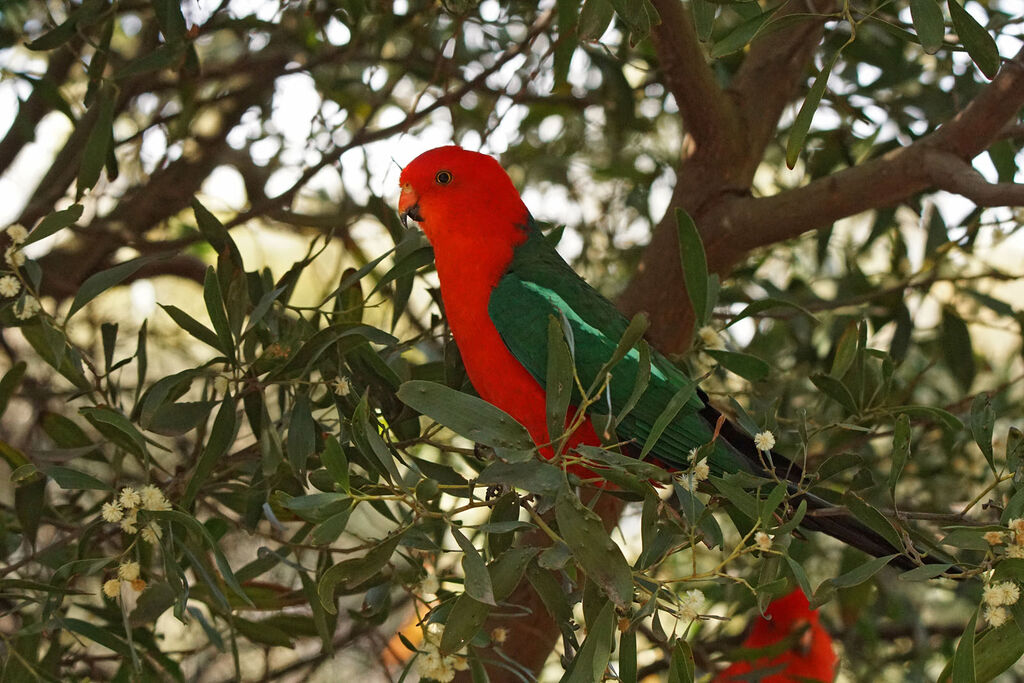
(538,285)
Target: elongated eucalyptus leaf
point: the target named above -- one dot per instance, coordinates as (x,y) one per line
(929,24)
(695,265)
(599,556)
(100,282)
(802,124)
(978,42)
(58,220)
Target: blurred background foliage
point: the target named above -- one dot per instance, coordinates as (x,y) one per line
(215,298)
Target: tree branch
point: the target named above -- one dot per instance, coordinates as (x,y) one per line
(773,73)
(741,224)
(951,173)
(710,118)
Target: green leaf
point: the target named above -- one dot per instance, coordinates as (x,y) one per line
(768,304)
(979,43)
(602,560)
(627,656)
(71,479)
(900,450)
(560,379)
(948,420)
(351,573)
(695,265)
(218,316)
(963,659)
(55,37)
(872,518)
(10,382)
(478,580)
(117,428)
(997,650)
(929,24)
(735,494)
(166,56)
(668,414)
(846,351)
(924,572)
(171,20)
(202,532)
(467,415)
(58,220)
(99,142)
(956,343)
(802,123)
(100,282)
(261,309)
(1014,448)
(835,390)
(862,573)
(983,420)
(681,666)
(595,15)
(638,16)
(215,233)
(366,433)
(222,435)
(703,18)
(301,433)
(336,463)
(100,636)
(192,326)
(739,37)
(590,662)
(532,476)
(748,367)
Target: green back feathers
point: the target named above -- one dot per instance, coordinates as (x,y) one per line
(539,284)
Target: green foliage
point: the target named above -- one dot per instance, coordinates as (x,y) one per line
(316,467)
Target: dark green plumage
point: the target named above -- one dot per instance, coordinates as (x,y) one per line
(539,284)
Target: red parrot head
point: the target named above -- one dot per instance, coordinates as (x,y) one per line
(461,198)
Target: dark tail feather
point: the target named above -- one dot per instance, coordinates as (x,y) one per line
(851,531)
(845,527)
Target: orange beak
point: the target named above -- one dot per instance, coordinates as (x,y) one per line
(408,205)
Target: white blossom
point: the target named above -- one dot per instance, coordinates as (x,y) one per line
(151,533)
(128,524)
(764,441)
(112,588)
(710,338)
(153,498)
(128,571)
(14,257)
(112,512)
(17,233)
(997,616)
(1001,593)
(9,285)
(763,541)
(28,307)
(341,386)
(692,601)
(130,498)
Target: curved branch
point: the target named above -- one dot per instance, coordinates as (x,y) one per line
(773,72)
(710,118)
(741,224)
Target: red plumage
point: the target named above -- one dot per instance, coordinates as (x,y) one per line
(809,656)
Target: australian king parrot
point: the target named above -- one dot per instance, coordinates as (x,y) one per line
(502,282)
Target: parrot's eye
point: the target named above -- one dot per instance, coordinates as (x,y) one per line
(443,177)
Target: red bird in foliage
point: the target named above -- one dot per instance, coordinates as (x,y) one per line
(797,647)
